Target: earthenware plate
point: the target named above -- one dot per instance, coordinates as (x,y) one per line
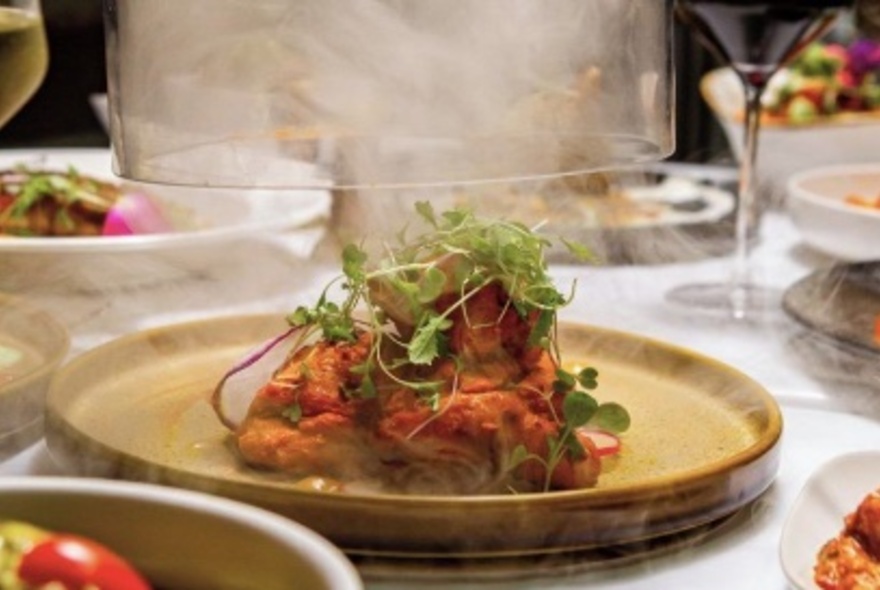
(841,302)
(704,443)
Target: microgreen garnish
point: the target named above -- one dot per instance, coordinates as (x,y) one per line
(458,256)
(579,409)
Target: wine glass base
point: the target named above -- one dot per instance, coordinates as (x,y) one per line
(743,302)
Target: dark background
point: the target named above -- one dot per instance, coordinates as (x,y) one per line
(59,114)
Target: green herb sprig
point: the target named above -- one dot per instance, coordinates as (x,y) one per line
(459,255)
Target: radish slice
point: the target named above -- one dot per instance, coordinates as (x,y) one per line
(606,443)
(133,214)
(233,395)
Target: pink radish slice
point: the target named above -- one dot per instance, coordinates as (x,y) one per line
(134,214)
(606,442)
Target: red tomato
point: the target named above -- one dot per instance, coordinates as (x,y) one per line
(75,562)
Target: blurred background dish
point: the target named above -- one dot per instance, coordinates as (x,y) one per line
(32,346)
(837,209)
(203,217)
(817,516)
(841,302)
(181,539)
(654,214)
(786,149)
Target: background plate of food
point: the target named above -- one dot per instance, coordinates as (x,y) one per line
(654,214)
(819,540)
(841,303)
(64,217)
(830,96)
(837,209)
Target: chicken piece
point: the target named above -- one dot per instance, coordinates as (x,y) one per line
(302,422)
(844,564)
(496,394)
(864,524)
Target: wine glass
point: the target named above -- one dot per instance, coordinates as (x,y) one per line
(755,38)
(24,55)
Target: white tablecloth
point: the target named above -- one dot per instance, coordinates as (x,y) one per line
(826,413)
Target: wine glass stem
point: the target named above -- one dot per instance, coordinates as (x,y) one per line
(746,212)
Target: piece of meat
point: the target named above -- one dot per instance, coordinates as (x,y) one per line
(843,564)
(864,524)
(325,438)
(496,394)
(851,560)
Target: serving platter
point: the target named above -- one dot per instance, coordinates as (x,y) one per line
(832,492)
(704,443)
(841,302)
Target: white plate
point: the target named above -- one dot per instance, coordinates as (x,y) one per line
(816,201)
(217,214)
(832,492)
(220,218)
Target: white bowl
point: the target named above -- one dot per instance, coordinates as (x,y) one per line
(816,201)
(182,539)
(786,149)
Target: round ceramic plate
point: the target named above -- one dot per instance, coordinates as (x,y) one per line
(208,215)
(816,517)
(841,302)
(704,443)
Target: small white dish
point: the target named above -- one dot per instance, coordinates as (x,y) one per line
(817,203)
(832,492)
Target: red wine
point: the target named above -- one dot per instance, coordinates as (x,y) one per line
(757,37)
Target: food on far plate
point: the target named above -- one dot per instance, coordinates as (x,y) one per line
(851,561)
(828,79)
(49,203)
(32,558)
(439,373)
(863,201)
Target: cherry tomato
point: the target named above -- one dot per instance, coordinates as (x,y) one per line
(76,562)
